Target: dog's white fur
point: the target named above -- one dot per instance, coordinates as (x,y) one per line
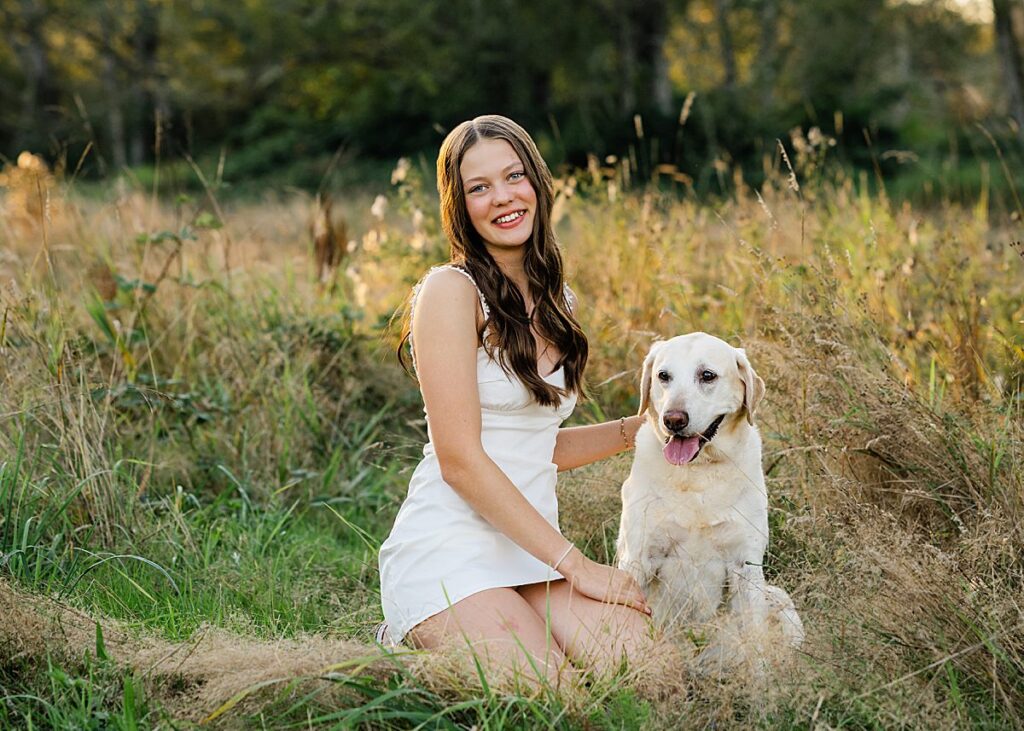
(694,535)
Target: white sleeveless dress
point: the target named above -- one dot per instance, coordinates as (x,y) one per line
(440,550)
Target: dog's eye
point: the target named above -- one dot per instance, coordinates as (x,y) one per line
(664,376)
(708,376)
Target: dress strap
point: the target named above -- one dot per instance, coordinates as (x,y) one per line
(570,297)
(416,291)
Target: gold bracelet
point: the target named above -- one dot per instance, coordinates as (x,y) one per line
(622,431)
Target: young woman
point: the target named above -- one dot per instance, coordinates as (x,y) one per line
(475,556)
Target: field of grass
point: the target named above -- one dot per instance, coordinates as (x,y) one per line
(201,450)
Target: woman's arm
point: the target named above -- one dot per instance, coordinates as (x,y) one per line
(445,339)
(580,445)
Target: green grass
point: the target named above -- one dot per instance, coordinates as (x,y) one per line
(275,568)
(91,696)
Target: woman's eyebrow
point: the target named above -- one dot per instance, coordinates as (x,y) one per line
(505,169)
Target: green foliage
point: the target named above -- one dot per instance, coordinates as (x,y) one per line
(93,696)
(285,567)
(271,90)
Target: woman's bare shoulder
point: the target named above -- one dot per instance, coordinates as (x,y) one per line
(446,298)
(445,286)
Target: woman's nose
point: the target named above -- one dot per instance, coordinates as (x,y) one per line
(502,195)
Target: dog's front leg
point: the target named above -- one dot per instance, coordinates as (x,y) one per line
(763,606)
(760,622)
(738,640)
(748,596)
(633,555)
(778,622)
(634,551)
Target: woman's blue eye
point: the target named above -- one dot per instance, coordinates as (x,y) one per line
(476,188)
(517,176)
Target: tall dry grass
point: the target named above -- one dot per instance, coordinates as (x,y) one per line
(890,340)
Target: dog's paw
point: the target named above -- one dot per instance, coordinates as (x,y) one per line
(784,617)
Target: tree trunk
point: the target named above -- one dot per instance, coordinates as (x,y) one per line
(112,91)
(147,95)
(653,27)
(39,93)
(540,89)
(627,60)
(725,42)
(1010,60)
(643,25)
(766,68)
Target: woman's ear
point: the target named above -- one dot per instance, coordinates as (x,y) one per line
(645,378)
(753,386)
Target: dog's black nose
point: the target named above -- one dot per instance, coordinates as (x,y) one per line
(675,421)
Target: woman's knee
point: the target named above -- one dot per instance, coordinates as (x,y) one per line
(601,636)
(499,629)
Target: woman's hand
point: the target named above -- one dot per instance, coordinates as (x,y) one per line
(604,583)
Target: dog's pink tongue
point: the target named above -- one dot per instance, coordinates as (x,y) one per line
(680,451)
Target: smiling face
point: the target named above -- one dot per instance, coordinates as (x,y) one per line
(500,200)
(691,384)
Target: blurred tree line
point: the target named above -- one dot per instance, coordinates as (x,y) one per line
(900,85)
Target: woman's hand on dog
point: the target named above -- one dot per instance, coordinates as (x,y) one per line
(604,583)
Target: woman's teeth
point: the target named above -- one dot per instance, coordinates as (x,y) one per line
(510,217)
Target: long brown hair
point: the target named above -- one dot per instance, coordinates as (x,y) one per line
(511,339)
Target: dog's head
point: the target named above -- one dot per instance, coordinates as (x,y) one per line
(690,385)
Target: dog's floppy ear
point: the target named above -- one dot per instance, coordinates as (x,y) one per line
(645,379)
(753,386)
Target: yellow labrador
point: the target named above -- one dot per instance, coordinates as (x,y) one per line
(694,524)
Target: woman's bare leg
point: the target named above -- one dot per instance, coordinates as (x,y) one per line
(502,630)
(595,635)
